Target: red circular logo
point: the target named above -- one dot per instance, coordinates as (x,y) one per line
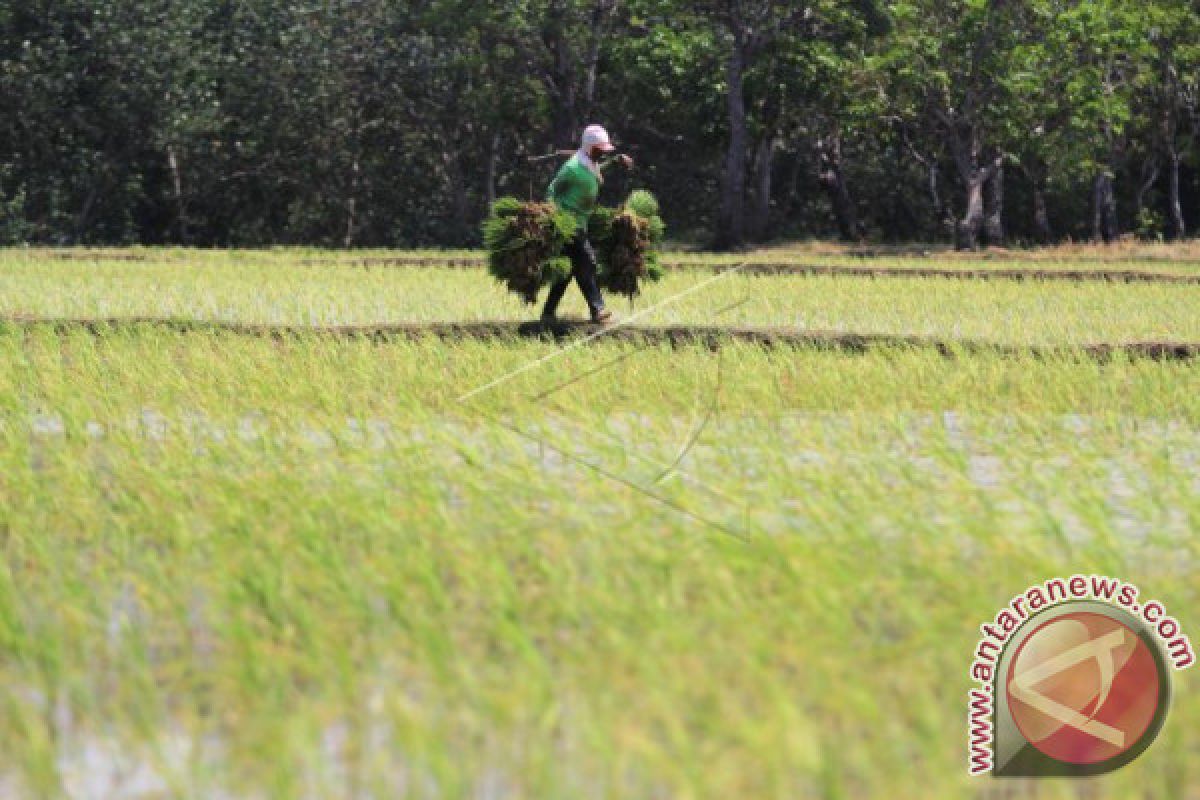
(1083,688)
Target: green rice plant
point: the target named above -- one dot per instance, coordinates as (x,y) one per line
(258,567)
(253,288)
(507,207)
(642,203)
(626,242)
(524,242)
(299,565)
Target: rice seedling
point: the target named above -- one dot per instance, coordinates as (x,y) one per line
(524,243)
(626,241)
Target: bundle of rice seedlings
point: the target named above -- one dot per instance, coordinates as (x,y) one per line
(626,241)
(524,242)
(642,203)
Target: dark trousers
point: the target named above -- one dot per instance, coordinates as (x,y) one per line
(583,270)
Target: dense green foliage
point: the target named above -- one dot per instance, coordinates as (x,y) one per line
(379,122)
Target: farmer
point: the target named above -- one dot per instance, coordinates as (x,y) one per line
(575,190)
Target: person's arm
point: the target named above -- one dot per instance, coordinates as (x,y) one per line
(557,185)
(624,160)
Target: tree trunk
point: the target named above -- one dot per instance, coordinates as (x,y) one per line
(1174,91)
(489,184)
(790,202)
(731,231)
(602,12)
(1176,227)
(943,216)
(833,180)
(1104,208)
(935,196)
(565,131)
(561,78)
(1041,217)
(968,229)
(460,204)
(994,207)
(181,229)
(1149,178)
(352,206)
(967,148)
(83,220)
(764,163)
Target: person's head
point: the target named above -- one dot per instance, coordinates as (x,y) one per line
(596,142)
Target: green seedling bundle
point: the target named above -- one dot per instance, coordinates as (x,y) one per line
(626,241)
(525,244)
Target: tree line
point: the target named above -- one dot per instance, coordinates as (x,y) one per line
(397,122)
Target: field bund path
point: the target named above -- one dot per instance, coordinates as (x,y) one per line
(710,336)
(1063,274)
(768,268)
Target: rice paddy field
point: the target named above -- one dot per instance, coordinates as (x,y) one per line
(318,565)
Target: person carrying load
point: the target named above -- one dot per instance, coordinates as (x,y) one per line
(575,190)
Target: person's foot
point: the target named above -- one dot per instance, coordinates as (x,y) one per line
(549,318)
(602,317)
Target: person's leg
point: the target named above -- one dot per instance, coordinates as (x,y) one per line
(555,295)
(583,257)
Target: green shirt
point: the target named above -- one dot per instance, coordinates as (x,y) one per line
(575,189)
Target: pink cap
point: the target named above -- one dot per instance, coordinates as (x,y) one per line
(596,136)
